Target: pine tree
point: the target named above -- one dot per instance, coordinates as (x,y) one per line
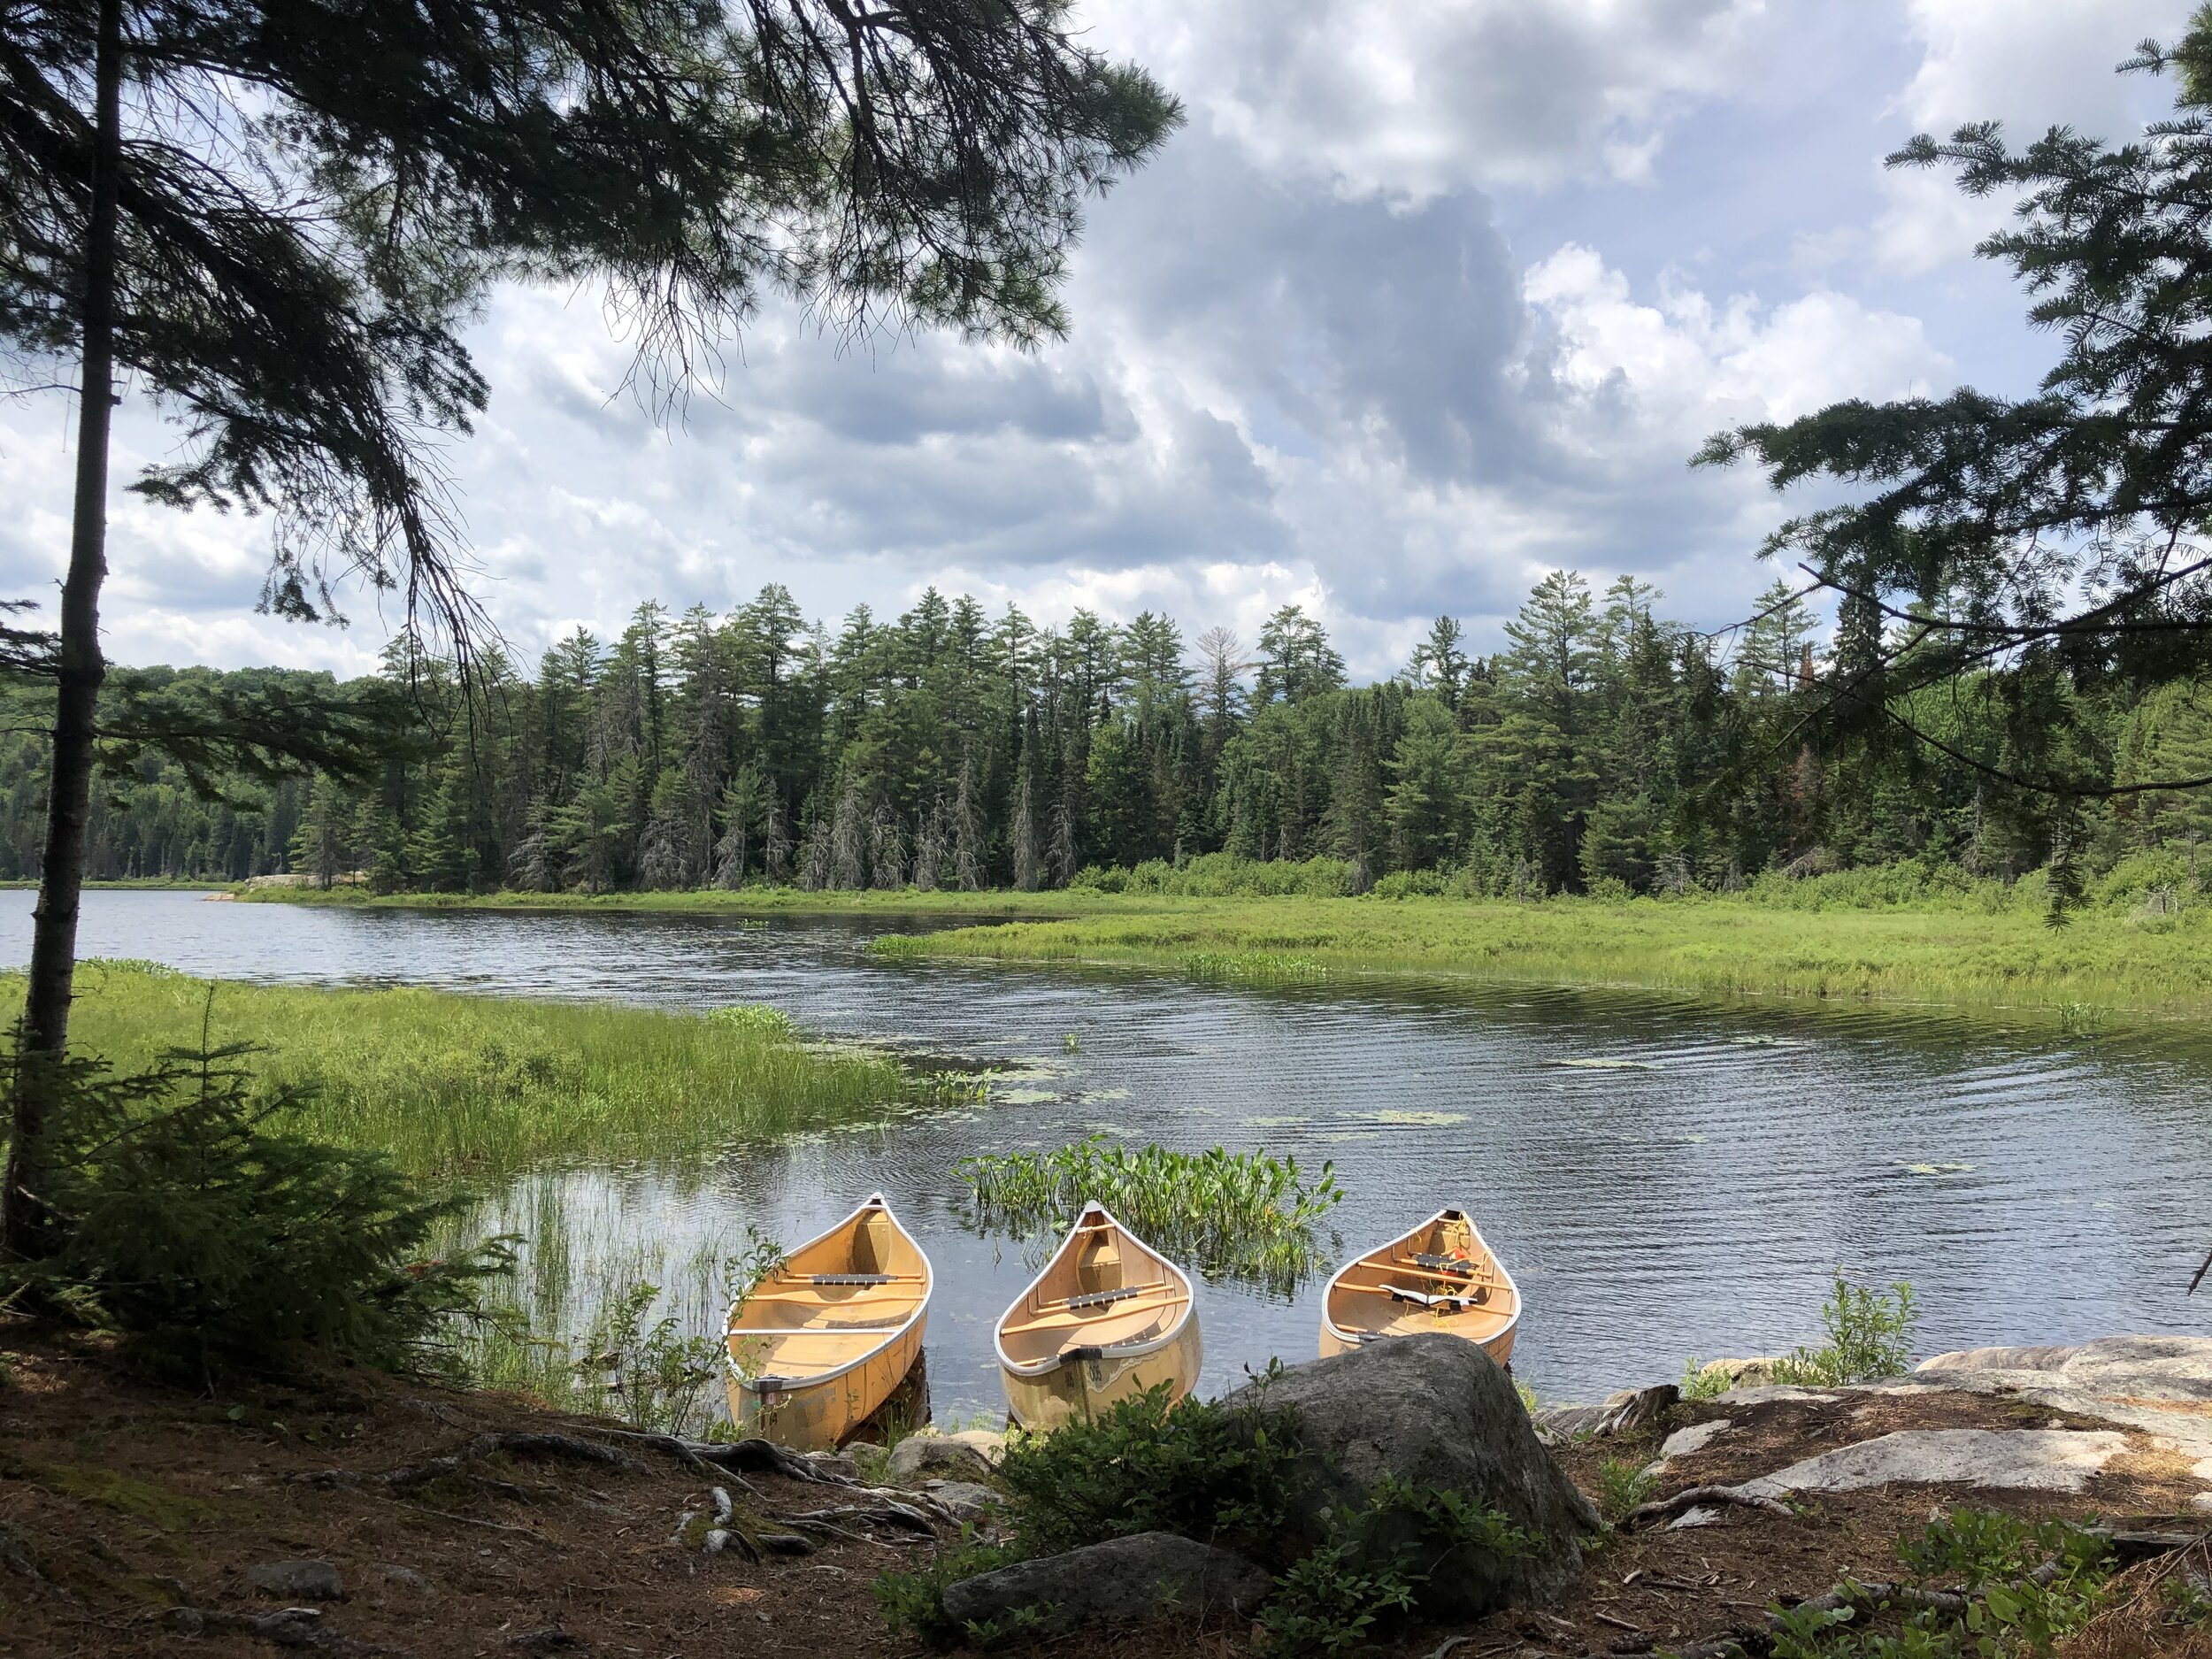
(1027,868)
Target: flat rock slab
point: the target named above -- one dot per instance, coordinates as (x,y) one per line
(2142,1369)
(2018,1459)
(1123,1581)
(1696,1438)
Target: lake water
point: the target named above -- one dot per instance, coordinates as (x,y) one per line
(1689,1195)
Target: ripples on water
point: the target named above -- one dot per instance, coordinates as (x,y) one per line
(1688,1195)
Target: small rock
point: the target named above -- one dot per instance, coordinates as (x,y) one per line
(1740,1373)
(2017,1460)
(403,1578)
(1123,1581)
(298,1580)
(834,1463)
(1696,1438)
(967,1500)
(1696,1516)
(932,1454)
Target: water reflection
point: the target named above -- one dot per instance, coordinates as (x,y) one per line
(1665,1177)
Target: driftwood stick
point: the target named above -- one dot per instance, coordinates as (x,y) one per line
(1689,1498)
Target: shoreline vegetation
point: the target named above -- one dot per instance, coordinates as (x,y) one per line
(2138,948)
(480,1087)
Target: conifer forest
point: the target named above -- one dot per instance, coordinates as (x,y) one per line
(949,749)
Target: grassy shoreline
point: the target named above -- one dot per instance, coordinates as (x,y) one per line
(1984,949)
(482,1088)
(2103,967)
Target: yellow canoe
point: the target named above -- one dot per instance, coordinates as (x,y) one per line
(1109,1318)
(820,1344)
(1438,1277)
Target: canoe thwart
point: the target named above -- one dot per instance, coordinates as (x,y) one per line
(850,1279)
(1099,1298)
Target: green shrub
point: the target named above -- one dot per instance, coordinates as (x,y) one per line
(198,1224)
(1622,1486)
(1366,1574)
(913,1599)
(1196,1467)
(1697,1384)
(1995,1559)
(1870,1336)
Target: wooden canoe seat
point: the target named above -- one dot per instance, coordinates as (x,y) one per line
(852,1278)
(1099,1298)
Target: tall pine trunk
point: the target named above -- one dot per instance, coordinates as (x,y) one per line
(25,1224)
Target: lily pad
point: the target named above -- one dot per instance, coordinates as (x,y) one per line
(1432,1120)
(1607,1065)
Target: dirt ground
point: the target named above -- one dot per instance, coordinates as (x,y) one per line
(121,1504)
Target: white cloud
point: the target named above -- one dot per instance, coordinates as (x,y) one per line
(1417,100)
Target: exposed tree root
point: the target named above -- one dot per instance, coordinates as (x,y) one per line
(1665,1509)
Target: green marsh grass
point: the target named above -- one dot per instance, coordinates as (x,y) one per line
(1237,1215)
(481,1087)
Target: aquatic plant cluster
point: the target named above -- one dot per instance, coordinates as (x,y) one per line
(1230,1215)
(483,1086)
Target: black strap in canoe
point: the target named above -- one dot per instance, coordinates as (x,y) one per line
(1452,1301)
(1442,1263)
(1099,1298)
(849,1279)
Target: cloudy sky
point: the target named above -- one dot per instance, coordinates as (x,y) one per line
(1424,301)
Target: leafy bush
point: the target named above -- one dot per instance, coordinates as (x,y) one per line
(654,1378)
(1699,1384)
(1196,1467)
(1224,875)
(1996,1560)
(1870,1336)
(914,1598)
(197,1225)
(1367,1573)
(1622,1486)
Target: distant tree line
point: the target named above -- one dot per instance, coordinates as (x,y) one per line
(947,749)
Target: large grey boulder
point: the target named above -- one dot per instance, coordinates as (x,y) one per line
(965,1456)
(2137,1369)
(1123,1581)
(1435,1411)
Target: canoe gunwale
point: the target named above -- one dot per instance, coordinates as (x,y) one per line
(1104,1351)
(891,1333)
(1356,1337)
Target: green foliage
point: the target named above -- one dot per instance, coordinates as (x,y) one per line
(1697,1384)
(1622,1486)
(1242,1214)
(913,1599)
(1365,1577)
(656,1376)
(1870,1337)
(1199,1468)
(1254,967)
(1997,1560)
(201,1223)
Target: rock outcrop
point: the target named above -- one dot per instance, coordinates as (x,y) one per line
(2017,1460)
(1435,1411)
(1123,1581)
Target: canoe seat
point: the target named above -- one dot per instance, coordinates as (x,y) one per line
(1442,1263)
(850,1279)
(1437,1299)
(1099,1298)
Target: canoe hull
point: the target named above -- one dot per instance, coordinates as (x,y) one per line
(1439,1277)
(1080,1388)
(821,1417)
(823,1343)
(1106,1319)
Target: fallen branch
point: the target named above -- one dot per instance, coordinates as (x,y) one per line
(1689,1498)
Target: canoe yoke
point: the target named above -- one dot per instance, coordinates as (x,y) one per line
(1099,1298)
